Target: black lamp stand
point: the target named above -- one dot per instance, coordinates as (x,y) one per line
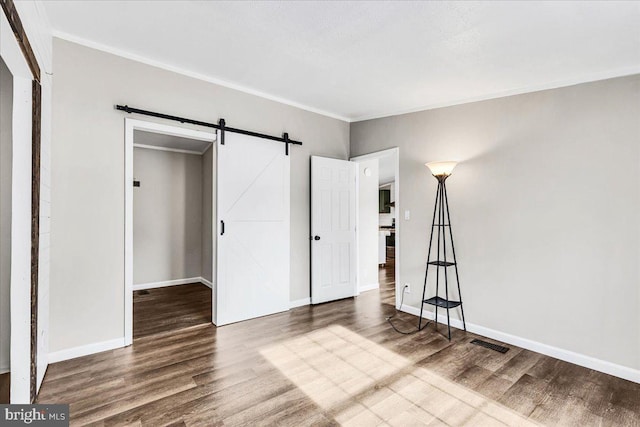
(440,223)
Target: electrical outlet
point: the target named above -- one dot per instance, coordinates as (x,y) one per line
(407,288)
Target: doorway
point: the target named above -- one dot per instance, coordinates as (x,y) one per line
(378,224)
(169,226)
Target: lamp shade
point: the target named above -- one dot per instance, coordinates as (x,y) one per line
(441,168)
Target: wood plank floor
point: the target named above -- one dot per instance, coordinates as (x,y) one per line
(168,309)
(387,278)
(5,387)
(331,364)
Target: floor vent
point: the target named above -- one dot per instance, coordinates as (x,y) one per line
(491,346)
(143,292)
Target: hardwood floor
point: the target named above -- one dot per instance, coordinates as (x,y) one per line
(5,387)
(387,278)
(330,364)
(167,309)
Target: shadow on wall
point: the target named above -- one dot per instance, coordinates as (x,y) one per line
(534,206)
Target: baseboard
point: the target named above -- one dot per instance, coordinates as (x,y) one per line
(85,350)
(206,282)
(599,365)
(370,287)
(165,283)
(429,315)
(4,369)
(300,302)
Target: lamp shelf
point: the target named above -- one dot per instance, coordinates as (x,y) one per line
(441,302)
(441,231)
(441,263)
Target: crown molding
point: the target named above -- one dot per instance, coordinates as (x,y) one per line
(587,78)
(178,70)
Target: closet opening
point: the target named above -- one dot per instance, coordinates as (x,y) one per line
(170,223)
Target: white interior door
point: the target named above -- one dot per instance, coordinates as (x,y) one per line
(333,229)
(253,252)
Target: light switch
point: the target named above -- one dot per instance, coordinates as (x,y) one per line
(407,215)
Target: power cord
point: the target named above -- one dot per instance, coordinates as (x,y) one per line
(396,313)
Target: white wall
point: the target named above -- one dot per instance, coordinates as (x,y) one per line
(87,229)
(208,208)
(368,229)
(545,209)
(21,242)
(6,107)
(167,216)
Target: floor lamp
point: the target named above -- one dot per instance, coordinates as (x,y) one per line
(441,222)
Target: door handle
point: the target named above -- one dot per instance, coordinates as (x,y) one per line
(316,237)
(222,228)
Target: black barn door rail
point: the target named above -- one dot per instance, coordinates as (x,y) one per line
(222,125)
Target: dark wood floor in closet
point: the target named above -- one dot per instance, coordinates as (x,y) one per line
(331,364)
(5,387)
(172,308)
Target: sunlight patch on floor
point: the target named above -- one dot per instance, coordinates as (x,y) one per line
(361,383)
(419,397)
(333,364)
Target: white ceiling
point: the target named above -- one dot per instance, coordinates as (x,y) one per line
(358,60)
(174,143)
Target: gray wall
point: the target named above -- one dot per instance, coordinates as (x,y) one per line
(545,207)
(87,225)
(167,216)
(208,208)
(6,149)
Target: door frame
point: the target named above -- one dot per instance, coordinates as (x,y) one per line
(130,126)
(25,217)
(378,155)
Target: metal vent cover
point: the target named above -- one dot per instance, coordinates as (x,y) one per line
(491,346)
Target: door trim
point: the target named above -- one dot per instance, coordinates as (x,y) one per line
(378,155)
(129,126)
(21,61)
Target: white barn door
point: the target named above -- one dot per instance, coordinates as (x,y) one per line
(333,229)
(253,254)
